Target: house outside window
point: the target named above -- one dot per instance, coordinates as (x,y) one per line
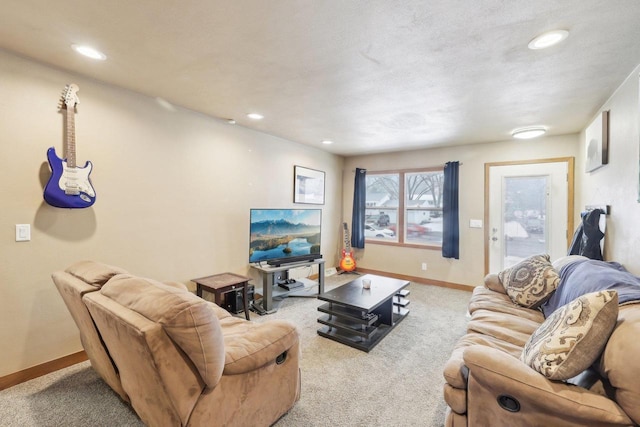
(405,207)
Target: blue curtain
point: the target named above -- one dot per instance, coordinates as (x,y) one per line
(359,206)
(450,214)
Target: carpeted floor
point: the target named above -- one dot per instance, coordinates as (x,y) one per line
(398,383)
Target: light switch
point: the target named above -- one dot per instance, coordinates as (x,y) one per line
(475,223)
(23,232)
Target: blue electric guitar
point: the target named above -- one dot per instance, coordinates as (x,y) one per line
(69,185)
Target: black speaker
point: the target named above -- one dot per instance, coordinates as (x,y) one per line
(233,300)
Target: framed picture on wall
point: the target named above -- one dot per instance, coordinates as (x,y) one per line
(308,186)
(597,140)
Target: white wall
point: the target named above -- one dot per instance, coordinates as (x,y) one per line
(174,191)
(469,269)
(616,183)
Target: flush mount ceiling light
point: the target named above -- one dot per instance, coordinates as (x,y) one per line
(528,133)
(255,116)
(327,142)
(548,39)
(89,52)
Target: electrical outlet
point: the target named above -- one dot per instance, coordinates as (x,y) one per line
(475,223)
(424,266)
(23,232)
(330,271)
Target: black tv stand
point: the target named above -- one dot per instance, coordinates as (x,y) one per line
(272,276)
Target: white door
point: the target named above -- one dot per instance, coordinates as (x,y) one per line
(528,212)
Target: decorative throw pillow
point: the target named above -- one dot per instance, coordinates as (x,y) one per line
(573,337)
(530,282)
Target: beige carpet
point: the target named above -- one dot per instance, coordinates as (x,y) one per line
(398,383)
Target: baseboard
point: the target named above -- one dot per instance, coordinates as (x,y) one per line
(414,279)
(43,369)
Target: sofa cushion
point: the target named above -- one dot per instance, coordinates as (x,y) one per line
(187,319)
(530,282)
(505,327)
(483,298)
(573,337)
(251,345)
(93,273)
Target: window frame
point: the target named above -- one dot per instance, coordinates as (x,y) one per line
(402,209)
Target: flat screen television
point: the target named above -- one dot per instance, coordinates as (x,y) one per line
(282,236)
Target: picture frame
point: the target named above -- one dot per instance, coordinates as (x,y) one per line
(597,143)
(308,185)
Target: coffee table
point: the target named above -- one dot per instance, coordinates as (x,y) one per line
(360,317)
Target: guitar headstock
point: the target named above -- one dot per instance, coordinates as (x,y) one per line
(69,97)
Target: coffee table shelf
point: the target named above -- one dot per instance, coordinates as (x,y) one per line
(352,339)
(359,317)
(403,293)
(362,318)
(354,328)
(400,301)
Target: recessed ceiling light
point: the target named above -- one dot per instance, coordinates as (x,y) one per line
(327,142)
(528,133)
(89,52)
(548,39)
(255,116)
(231,121)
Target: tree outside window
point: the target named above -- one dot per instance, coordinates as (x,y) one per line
(381,213)
(423,207)
(405,207)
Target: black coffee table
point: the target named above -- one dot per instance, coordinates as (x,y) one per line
(360,317)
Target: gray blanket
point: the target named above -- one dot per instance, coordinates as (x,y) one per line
(585,276)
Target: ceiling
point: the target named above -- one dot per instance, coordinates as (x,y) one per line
(372,76)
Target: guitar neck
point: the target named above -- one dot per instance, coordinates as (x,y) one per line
(71,138)
(347,240)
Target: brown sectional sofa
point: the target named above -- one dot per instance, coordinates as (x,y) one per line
(488,385)
(177,359)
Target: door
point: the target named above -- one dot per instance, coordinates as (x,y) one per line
(530,211)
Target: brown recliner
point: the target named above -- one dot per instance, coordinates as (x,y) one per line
(73,283)
(185,361)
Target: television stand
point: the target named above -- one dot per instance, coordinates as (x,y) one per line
(272,293)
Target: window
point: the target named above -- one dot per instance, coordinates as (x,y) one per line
(405,207)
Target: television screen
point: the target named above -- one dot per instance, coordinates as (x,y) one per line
(280,236)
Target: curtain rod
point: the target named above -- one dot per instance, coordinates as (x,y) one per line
(409,170)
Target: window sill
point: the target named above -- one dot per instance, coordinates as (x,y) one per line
(403,245)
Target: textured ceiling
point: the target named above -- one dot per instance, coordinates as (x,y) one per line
(373,76)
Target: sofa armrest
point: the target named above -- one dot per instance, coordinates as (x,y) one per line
(493,373)
(251,345)
(492,281)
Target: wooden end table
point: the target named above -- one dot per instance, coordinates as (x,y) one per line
(220,284)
